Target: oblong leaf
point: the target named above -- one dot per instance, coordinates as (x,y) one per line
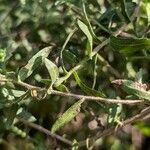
(33,63)
(128,46)
(86,89)
(67,116)
(86,31)
(52,69)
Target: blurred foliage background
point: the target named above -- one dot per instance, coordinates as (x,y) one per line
(27,26)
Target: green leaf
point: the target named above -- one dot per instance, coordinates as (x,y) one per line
(10,114)
(133,88)
(62,88)
(86,89)
(89,24)
(52,69)
(33,63)
(144,128)
(70,57)
(114,114)
(18,93)
(67,116)
(23,113)
(2,55)
(86,31)
(128,46)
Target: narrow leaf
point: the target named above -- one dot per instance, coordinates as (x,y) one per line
(52,69)
(128,46)
(86,31)
(86,89)
(67,116)
(33,63)
(89,24)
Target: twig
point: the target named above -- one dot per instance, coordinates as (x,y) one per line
(23,84)
(78,96)
(101,99)
(47,132)
(109,131)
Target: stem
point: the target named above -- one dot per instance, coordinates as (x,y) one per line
(47,132)
(101,99)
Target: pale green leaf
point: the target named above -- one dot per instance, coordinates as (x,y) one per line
(52,69)
(67,116)
(86,31)
(2,55)
(33,63)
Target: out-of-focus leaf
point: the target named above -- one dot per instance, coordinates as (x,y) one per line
(52,69)
(33,63)
(2,55)
(85,88)
(26,115)
(128,46)
(146,9)
(86,31)
(114,115)
(62,88)
(10,114)
(128,9)
(144,128)
(67,116)
(18,93)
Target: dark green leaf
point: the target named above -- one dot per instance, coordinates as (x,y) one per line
(86,89)
(128,46)
(10,114)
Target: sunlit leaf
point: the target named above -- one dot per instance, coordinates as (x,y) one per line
(2,55)
(33,63)
(52,69)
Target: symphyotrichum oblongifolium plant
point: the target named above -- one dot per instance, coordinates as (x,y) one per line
(74,74)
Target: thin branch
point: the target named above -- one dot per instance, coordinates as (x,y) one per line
(45,131)
(23,84)
(78,96)
(101,99)
(113,129)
